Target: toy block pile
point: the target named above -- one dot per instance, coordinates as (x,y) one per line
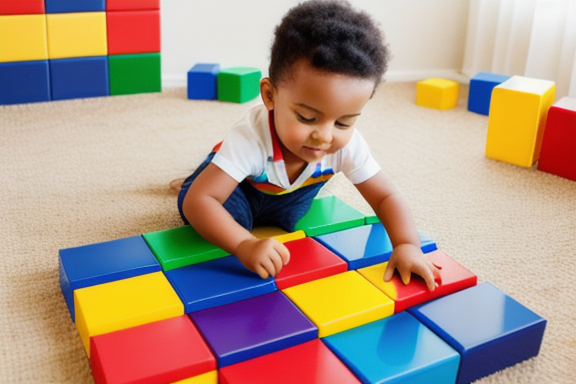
(207,81)
(169,307)
(66,49)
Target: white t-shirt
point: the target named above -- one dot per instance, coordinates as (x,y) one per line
(251,151)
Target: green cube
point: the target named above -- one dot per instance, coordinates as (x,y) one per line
(238,85)
(329,214)
(181,246)
(139,73)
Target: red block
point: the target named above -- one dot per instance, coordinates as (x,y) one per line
(132,5)
(21,7)
(164,351)
(309,260)
(133,32)
(558,153)
(310,363)
(454,278)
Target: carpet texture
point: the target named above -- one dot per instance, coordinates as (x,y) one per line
(85,171)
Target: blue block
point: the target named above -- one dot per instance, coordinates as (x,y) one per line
(101,263)
(396,349)
(202,82)
(365,246)
(67,6)
(79,77)
(254,327)
(24,82)
(489,329)
(217,282)
(480,91)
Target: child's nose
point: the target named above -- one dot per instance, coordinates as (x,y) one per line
(323,133)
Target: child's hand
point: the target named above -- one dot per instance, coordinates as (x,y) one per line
(266,257)
(408,259)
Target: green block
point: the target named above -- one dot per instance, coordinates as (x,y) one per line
(329,214)
(181,246)
(139,73)
(238,85)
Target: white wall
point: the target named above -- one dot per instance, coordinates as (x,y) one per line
(426,37)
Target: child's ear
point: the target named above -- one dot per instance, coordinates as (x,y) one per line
(267,93)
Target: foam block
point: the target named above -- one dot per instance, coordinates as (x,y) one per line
(137,73)
(181,246)
(23,38)
(454,278)
(202,82)
(76,34)
(329,214)
(489,329)
(217,282)
(517,119)
(133,32)
(205,378)
(124,304)
(79,77)
(21,7)
(239,84)
(365,245)
(67,6)
(101,263)
(558,153)
(480,93)
(309,260)
(254,327)
(277,233)
(340,302)
(131,5)
(437,93)
(310,362)
(24,82)
(163,351)
(397,349)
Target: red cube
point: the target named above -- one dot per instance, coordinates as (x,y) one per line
(133,32)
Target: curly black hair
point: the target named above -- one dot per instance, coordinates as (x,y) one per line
(331,36)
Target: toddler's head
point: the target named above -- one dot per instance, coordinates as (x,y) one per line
(331,37)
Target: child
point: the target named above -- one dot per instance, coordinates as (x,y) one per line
(327,60)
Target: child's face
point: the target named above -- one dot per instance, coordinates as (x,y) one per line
(314,112)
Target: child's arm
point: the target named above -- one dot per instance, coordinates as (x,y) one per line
(395,215)
(203,207)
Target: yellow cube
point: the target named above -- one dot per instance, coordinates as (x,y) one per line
(77,35)
(124,304)
(437,93)
(517,118)
(205,378)
(277,233)
(23,38)
(340,302)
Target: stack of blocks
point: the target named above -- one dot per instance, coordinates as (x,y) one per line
(208,82)
(169,307)
(65,49)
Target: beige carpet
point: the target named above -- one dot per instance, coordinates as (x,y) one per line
(86,171)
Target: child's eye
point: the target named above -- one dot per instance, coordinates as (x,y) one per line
(305,119)
(342,125)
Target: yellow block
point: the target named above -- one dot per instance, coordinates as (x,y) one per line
(77,34)
(277,233)
(23,38)
(437,93)
(517,118)
(206,378)
(375,275)
(340,302)
(124,304)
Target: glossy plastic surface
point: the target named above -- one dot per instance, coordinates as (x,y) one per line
(329,214)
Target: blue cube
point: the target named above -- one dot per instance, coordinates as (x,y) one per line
(489,329)
(101,263)
(396,349)
(79,77)
(24,82)
(68,6)
(202,82)
(480,92)
(216,282)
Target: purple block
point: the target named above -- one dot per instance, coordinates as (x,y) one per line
(254,327)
